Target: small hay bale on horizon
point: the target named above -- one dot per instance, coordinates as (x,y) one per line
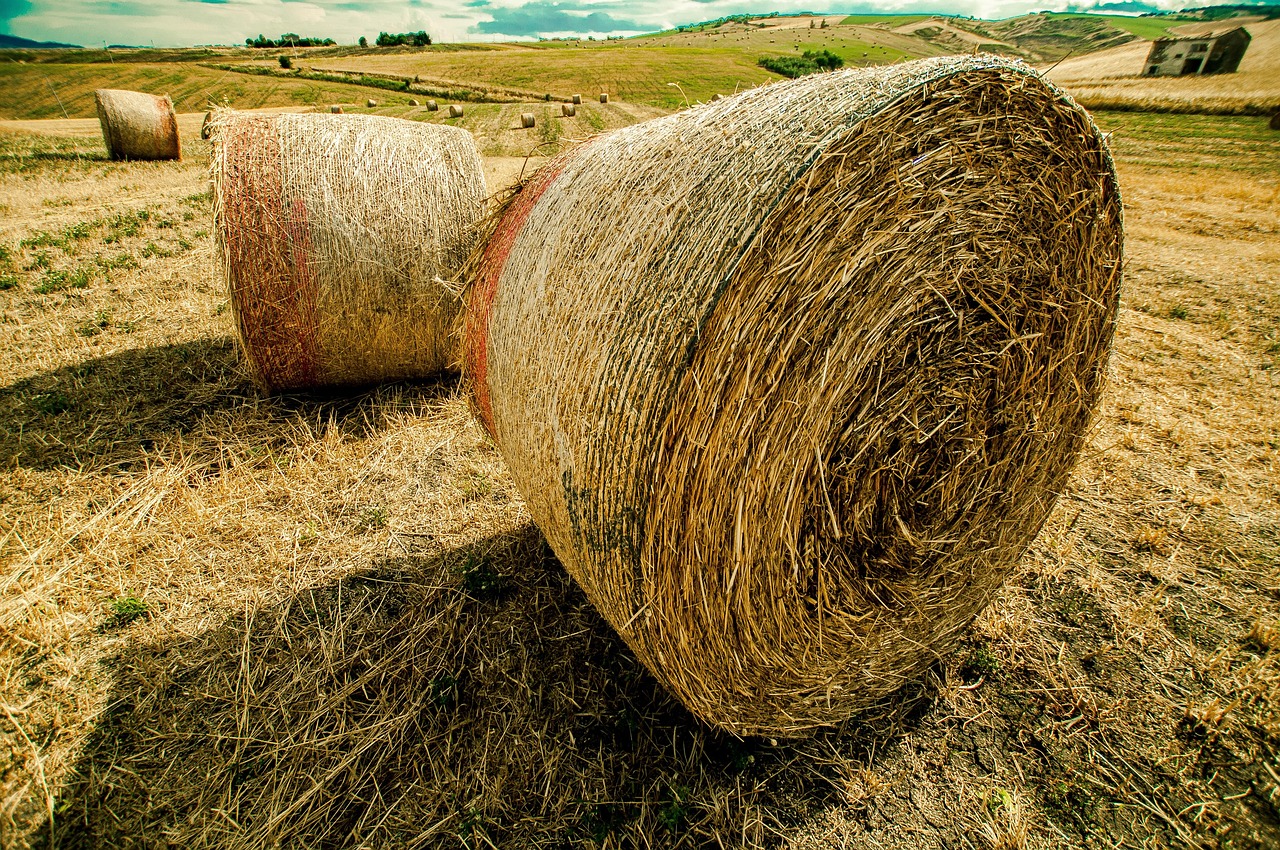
(604,97)
(334,235)
(792,418)
(138,126)
(577,98)
(335,109)
(568,110)
(413,101)
(527,120)
(370,103)
(455,111)
(432,106)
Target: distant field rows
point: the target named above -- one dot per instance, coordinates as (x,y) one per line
(57,91)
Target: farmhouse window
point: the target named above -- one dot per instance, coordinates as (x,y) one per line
(1198,48)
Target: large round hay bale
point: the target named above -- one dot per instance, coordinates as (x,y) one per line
(568,110)
(333,232)
(432,106)
(137,125)
(455,111)
(527,120)
(791,381)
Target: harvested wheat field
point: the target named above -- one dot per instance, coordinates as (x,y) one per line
(230,621)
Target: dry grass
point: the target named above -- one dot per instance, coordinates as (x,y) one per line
(302,571)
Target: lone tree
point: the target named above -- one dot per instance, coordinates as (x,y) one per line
(364,42)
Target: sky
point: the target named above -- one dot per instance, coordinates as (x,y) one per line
(166,23)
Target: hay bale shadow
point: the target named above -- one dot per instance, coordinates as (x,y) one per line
(470,696)
(112,410)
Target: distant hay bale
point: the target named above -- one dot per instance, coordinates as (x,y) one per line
(333,233)
(371,103)
(527,120)
(432,106)
(413,101)
(790,382)
(335,109)
(716,97)
(455,111)
(137,125)
(568,110)
(1275,121)
(604,97)
(577,98)
(205,126)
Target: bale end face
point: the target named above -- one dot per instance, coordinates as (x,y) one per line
(834,409)
(413,101)
(577,98)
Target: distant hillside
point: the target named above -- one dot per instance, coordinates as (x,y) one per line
(9,42)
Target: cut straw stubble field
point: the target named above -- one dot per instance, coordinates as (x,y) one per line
(309,568)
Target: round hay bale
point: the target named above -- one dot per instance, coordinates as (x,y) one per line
(604,97)
(432,106)
(790,382)
(371,103)
(413,101)
(568,110)
(716,97)
(577,98)
(333,232)
(455,111)
(1275,121)
(335,109)
(205,126)
(137,125)
(527,120)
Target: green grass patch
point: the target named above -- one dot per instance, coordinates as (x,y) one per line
(60,280)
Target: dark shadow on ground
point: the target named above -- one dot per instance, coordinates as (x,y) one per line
(111,411)
(469,697)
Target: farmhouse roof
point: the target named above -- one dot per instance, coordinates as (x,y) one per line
(1204,36)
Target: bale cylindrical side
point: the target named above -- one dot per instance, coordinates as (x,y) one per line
(333,233)
(137,125)
(432,106)
(568,110)
(577,98)
(455,111)
(527,120)
(604,97)
(791,381)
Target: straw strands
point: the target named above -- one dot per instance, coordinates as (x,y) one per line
(790,381)
(333,233)
(137,125)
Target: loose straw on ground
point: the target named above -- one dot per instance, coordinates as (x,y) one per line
(333,233)
(790,381)
(138,126)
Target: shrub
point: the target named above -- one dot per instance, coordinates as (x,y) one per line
(810,62)
(286,62)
